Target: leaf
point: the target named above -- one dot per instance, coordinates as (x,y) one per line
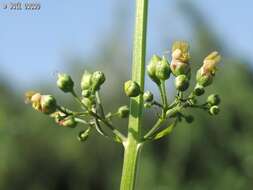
(165,131)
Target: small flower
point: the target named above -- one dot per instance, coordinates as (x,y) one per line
(43,103)
(123,111)
(214,110)
(97,79)
(180,58)
(181,82)
(151,68)
(148,96)
(86,83)
(65,82)
(68,122)
(206,73)
(132,89)
(213,99)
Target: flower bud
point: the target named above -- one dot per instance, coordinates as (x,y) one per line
(151,68)
(206,73)
(86,93)
(65,82)
(199,90)
(162,69)
(86,81)
(83,135)
(97,79)
(214,110)
(148,96)
(213,99)
(48,104)
(68,122)
(181,82)
(180,58)
(132,89)
(123,111)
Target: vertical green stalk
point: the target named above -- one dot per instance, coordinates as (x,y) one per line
(133,143)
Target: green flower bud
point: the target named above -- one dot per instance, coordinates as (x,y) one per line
(86,93)
(68,122)
(162,70)
(48,104)
(148,96)
(181,82)
(199,90)
(179,68)
(204,79)
(213,99)
(151,68)
(189,118)
(132,89)
(123,111)
(65,82)
(98,78)
(214,110)
(86,81)
(83,135)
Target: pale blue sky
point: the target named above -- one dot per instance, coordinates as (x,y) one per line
(33,43)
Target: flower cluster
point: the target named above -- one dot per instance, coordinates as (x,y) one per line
(159,69)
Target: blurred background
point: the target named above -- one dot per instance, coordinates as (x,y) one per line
(70,36)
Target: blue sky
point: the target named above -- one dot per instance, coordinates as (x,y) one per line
(33,44)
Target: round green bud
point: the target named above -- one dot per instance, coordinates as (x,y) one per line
(214,110)
(162,70)
(189,118)
(97,79)
(179,68)
(86,81)
(86,93)
(204,79)
(123,111)
(48,104)
(68,122)
(151,68)
(132,89)
(148,96)
(83,135)
(181,82)
(213,99)
(65,82)
(199,90)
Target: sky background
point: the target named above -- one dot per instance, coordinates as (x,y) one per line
(35,44)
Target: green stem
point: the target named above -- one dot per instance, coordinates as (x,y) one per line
(132,145)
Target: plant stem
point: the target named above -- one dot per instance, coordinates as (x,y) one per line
(133,143)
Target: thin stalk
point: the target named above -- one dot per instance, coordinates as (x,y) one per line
(133,143)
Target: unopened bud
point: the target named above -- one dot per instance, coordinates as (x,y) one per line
(151,68)
(65,82)
(132,89)
(162,70)
(48,104)
(148,96)
(97,79)
(214,110)
(123,111)
(199,90)
(213,99)
(86,81)
(83,135)
(181,82)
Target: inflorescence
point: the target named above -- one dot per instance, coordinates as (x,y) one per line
(159,70)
